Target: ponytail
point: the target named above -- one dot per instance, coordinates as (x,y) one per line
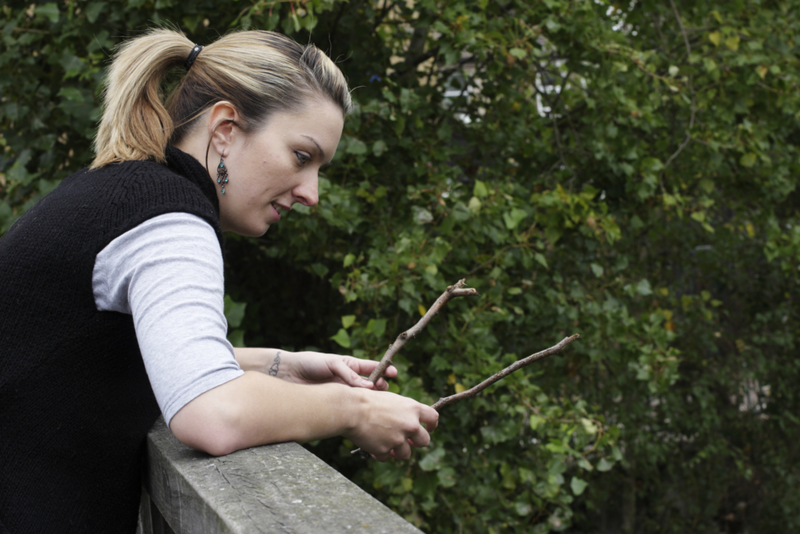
(135,124)
(258,72)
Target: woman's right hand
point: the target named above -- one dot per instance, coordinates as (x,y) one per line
(388,425)
(257,409)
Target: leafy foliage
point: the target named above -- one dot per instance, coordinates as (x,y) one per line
(622,171)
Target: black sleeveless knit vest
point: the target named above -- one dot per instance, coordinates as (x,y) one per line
(75,401)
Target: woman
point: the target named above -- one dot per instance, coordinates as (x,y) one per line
(112,287)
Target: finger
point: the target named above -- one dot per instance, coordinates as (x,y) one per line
(347,375)
(430,417)
(402,452)
(390,372)
(432,426)
(365,367)
(382,457)
(420,438)
(381,385)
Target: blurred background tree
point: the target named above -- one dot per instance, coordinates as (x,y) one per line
(625,171)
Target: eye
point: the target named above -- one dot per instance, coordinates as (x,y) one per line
(302,158)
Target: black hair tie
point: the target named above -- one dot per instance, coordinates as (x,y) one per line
(192,56)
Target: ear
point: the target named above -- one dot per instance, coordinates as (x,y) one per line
(221,125)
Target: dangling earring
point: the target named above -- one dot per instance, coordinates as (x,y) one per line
(222,174)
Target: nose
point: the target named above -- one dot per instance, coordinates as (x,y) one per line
(307,191)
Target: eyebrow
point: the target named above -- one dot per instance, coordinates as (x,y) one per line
(319,148)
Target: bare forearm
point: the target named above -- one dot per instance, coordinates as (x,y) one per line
(263,360)
(312,367)
(257,409)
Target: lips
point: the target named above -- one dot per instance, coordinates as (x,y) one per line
(278,209)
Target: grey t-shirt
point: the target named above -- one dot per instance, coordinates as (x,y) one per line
(168,274)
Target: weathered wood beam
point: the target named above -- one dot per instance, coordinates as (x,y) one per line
(279,488)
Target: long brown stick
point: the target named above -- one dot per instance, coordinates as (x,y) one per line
(471,392)
(519,364)
(456,290)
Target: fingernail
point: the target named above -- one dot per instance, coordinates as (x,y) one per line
(366,383)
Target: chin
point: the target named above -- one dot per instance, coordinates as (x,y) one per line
(262,231)
(250,232)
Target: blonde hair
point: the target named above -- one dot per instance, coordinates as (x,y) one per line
(259,72)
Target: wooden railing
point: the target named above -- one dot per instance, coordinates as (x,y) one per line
(275,488)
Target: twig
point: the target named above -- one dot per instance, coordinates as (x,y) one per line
(456,290)
(683,31)
(519,364)
(471,392)
(688,137)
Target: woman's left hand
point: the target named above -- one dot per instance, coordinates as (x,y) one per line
(313,367)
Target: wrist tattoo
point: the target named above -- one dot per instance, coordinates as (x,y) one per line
(273,370)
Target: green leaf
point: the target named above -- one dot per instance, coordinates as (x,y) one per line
(589,426)
(748,160)
(236,338)
(319,269)
(652,164)
(578,486)
(356,147)
(348,260)
(432,460)
(604,465)
(348,320)
(342,338)
(535,421)
(93,10)
(514,217)
(479,190)
(379,147)
(49,10)
(447,477)
(376,327)
(234,312)
(643,288)
(553,234)
(71,94)
(523,508)
(597,270)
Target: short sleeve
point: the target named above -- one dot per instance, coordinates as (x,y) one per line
(168,274)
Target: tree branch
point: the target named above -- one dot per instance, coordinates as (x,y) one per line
(688,137)
(456,290)
(519,364)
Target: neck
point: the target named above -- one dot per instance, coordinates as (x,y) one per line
(200,148)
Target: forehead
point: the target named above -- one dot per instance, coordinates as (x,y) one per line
(318,121)
(310,109)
